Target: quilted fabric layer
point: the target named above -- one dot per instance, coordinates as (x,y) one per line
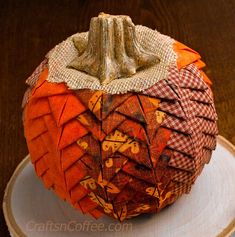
(122,155)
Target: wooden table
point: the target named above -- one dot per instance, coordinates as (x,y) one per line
(29,29)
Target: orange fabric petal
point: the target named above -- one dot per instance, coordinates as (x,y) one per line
(38,108)
(34,128)
(87,204)
(70,155)
(45,88)
(61,193)
(200,64)
(78,192)
(96,213)
(185,55)
(57,104)
(41,80)
(36,148)
(205,78)
(133,129)
(54,131)
(75,174)
(73,108)
(47,180)
(41,167)
(71,133)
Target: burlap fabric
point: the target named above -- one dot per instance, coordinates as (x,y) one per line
(65,52)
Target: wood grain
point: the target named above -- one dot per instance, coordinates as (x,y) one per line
(29,29)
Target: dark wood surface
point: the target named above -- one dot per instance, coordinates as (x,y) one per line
(28,29)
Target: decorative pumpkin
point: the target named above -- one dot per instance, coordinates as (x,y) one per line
(120,121)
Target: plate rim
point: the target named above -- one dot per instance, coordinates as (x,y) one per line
(14,228)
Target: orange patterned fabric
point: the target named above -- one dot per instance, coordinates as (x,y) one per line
(120,155)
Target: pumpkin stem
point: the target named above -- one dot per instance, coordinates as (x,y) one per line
(112,50)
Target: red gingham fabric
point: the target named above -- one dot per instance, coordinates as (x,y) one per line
(210,127)
(202,125)
(203,110)
(192,119)
(177,124)
(161,90)
(183,177)
(174,77)
(181,142)
(191,78)
(201,96)
(173,108)
(208,142)
(182,161)
(186,103)
(181,188)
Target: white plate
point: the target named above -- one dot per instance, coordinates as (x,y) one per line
(208,211)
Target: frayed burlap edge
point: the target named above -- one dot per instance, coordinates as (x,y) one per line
(152,40)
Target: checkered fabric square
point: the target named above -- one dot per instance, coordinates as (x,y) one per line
(173,78)
(173,108)
(181,188)
(198,161)
(209,142)
(182,143)
(161,90)
(196,124)
(182,161)
(182,177)
(201,96)
(203,110)
(177,124)
(190,77)
(199,138)
(201,125)
(209,127)
(196,139)
(198,171)
(184,95)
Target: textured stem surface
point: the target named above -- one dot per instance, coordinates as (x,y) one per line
(113,50)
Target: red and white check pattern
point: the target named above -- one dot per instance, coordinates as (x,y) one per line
(192,119)
(177,124)
(173,77)
(161,90)
(190,77)
(203,110)
(183,177)
(182,161)
(181,188)
(173,108)
(182,143)
(201,96)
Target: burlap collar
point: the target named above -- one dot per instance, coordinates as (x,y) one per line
(65,52)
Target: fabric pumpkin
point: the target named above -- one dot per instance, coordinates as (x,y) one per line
(127,153)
